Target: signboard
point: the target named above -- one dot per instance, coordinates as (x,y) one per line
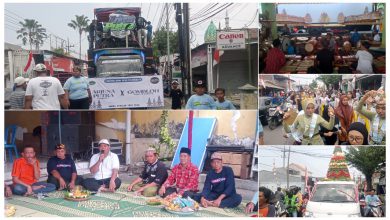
(126,92)
(231,40)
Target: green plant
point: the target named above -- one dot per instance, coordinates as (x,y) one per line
(166,146)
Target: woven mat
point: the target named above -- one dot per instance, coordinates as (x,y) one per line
(118,204)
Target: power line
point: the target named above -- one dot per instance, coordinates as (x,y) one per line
(254,18)
(150,4)
(205,19)
(156,12)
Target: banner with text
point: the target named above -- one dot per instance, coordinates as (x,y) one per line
(126,92)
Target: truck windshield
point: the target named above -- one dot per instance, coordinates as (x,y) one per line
(120,67)
(334,193)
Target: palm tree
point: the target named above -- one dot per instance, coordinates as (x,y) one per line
(80,25)
(31,32)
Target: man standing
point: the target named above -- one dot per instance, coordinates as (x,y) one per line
(26,173)
(275,59)
(44,92)
(200,100)
(77,91)
(153,176)
(17,96)
(177,95)
(219,187)
(325,58)
(104,166)
(62,170)
(149,29)
(183,179)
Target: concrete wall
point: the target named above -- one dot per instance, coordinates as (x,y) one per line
(110,124)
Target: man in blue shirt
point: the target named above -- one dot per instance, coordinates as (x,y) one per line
(219,188)
(371,198)
(149,29)
(355,37)
(200,101)
(221,103)
(62,170)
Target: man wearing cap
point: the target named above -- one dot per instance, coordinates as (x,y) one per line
(104,166)
(219,188)
(183,179)
(177,95)
(17,96)
(62,170)
(200,100)
(152,177)
(44,92)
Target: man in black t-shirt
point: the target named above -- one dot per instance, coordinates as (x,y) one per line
(325,58)
(62,170)
(152,177)
(177,95)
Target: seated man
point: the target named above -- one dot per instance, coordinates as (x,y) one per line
(183,179)
(104,166)
(62,170)
(154,174)
(26,174)
(219,187)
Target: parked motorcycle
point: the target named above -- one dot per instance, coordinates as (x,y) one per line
(275,117)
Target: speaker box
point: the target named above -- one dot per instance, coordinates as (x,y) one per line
(77,138)
(69,117)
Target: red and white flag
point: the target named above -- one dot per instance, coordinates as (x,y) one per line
(30,62)
(217,56)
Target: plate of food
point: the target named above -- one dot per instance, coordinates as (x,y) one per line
(9,210)
(78,194)
(154,202)
(181,206)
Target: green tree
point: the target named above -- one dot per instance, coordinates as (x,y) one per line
(59,51)
(80,25)
(330,80)
(159,42)
(366,159)
(31,32)
(313,84)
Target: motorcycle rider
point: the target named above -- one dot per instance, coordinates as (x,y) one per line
(291,202)
(371,197)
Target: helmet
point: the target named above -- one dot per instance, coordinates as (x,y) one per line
(40,67)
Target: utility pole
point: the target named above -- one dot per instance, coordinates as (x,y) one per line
(168,52)
(284,156)
(68,46)
(288,167)
(179,21)
(50,41)
(187,47)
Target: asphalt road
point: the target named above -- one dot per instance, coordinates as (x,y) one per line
(275,137)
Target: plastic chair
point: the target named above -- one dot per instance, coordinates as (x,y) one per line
(9,141)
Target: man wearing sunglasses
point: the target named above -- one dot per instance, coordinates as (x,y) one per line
(62,170)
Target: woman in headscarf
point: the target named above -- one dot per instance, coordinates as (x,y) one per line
(345,114)
(357,134)
(378,119)
(306,126)
(329,135)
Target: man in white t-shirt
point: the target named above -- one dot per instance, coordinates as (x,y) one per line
(365,59)
(44,92)
(105,167)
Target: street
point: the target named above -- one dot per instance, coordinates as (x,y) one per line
(275,137)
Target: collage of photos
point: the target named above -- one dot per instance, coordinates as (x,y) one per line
(322,110)
(192,109)
(131,109)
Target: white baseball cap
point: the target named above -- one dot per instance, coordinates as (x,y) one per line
(20,81)
(104,141)
(40,67)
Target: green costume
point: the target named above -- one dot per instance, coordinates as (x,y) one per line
(378,125)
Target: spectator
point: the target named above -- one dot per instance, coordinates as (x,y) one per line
(200,100)
(222,103)
(325,58)
(44,92)
(266,209)
(77,91)
(275,58)
(365,59)
(16,99)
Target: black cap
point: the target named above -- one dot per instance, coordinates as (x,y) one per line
(199,83)
(185,150)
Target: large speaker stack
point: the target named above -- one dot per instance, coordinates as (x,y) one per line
(75,129)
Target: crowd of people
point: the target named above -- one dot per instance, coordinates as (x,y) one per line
(327,51)
(219,188)
(282,203)
(45,92)
(334,117)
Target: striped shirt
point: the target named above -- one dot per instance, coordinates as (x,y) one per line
(16,99)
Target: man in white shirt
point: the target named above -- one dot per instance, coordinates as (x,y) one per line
(104,166)
(377,37)
(44,92)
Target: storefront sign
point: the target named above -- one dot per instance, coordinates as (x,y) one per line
(126,92)
(231,40)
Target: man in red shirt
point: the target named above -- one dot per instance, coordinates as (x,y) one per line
(26,174)
(275,58)
(183,179)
